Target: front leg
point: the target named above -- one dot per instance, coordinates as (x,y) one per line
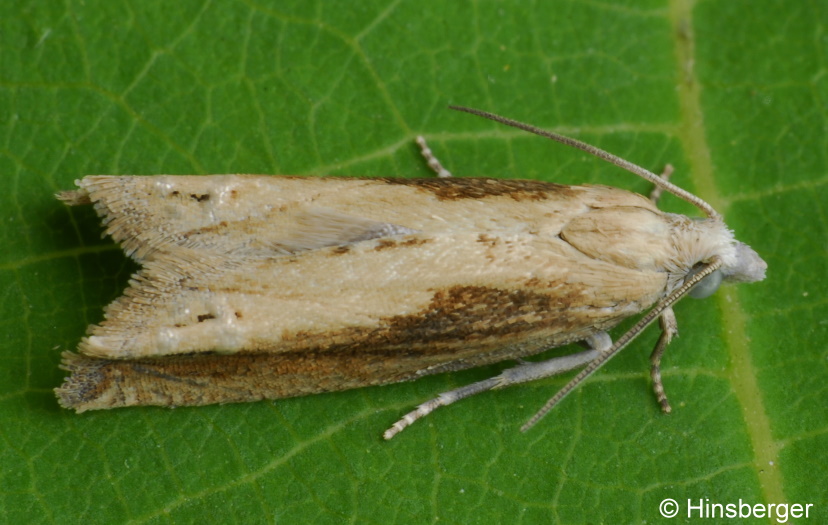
(667,321)
(669,328)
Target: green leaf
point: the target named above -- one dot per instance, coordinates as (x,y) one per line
(732,93)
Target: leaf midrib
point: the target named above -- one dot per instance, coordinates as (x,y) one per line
(741,372)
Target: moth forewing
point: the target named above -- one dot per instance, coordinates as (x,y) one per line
(504,287)
(263,287)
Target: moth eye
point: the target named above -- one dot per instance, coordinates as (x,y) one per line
(706,286)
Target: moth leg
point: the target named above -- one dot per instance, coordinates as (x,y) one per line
(669,329)
(431,160)
(525,371)
(667,321)
(655,195)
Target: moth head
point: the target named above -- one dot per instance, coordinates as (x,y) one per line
(743,265)
(747,268)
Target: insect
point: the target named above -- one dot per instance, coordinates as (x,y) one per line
(266,287)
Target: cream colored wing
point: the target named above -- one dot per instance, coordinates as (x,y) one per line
(267,215)
(267,287)
(440,293)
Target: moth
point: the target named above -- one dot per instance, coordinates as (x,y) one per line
(267,287)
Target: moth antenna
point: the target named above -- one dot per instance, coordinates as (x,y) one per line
(715,263)
(598,152)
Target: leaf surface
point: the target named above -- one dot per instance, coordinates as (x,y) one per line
(731,93)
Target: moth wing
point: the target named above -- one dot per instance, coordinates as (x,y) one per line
(309,285)
(251,215)
(461,298)
(225,214)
